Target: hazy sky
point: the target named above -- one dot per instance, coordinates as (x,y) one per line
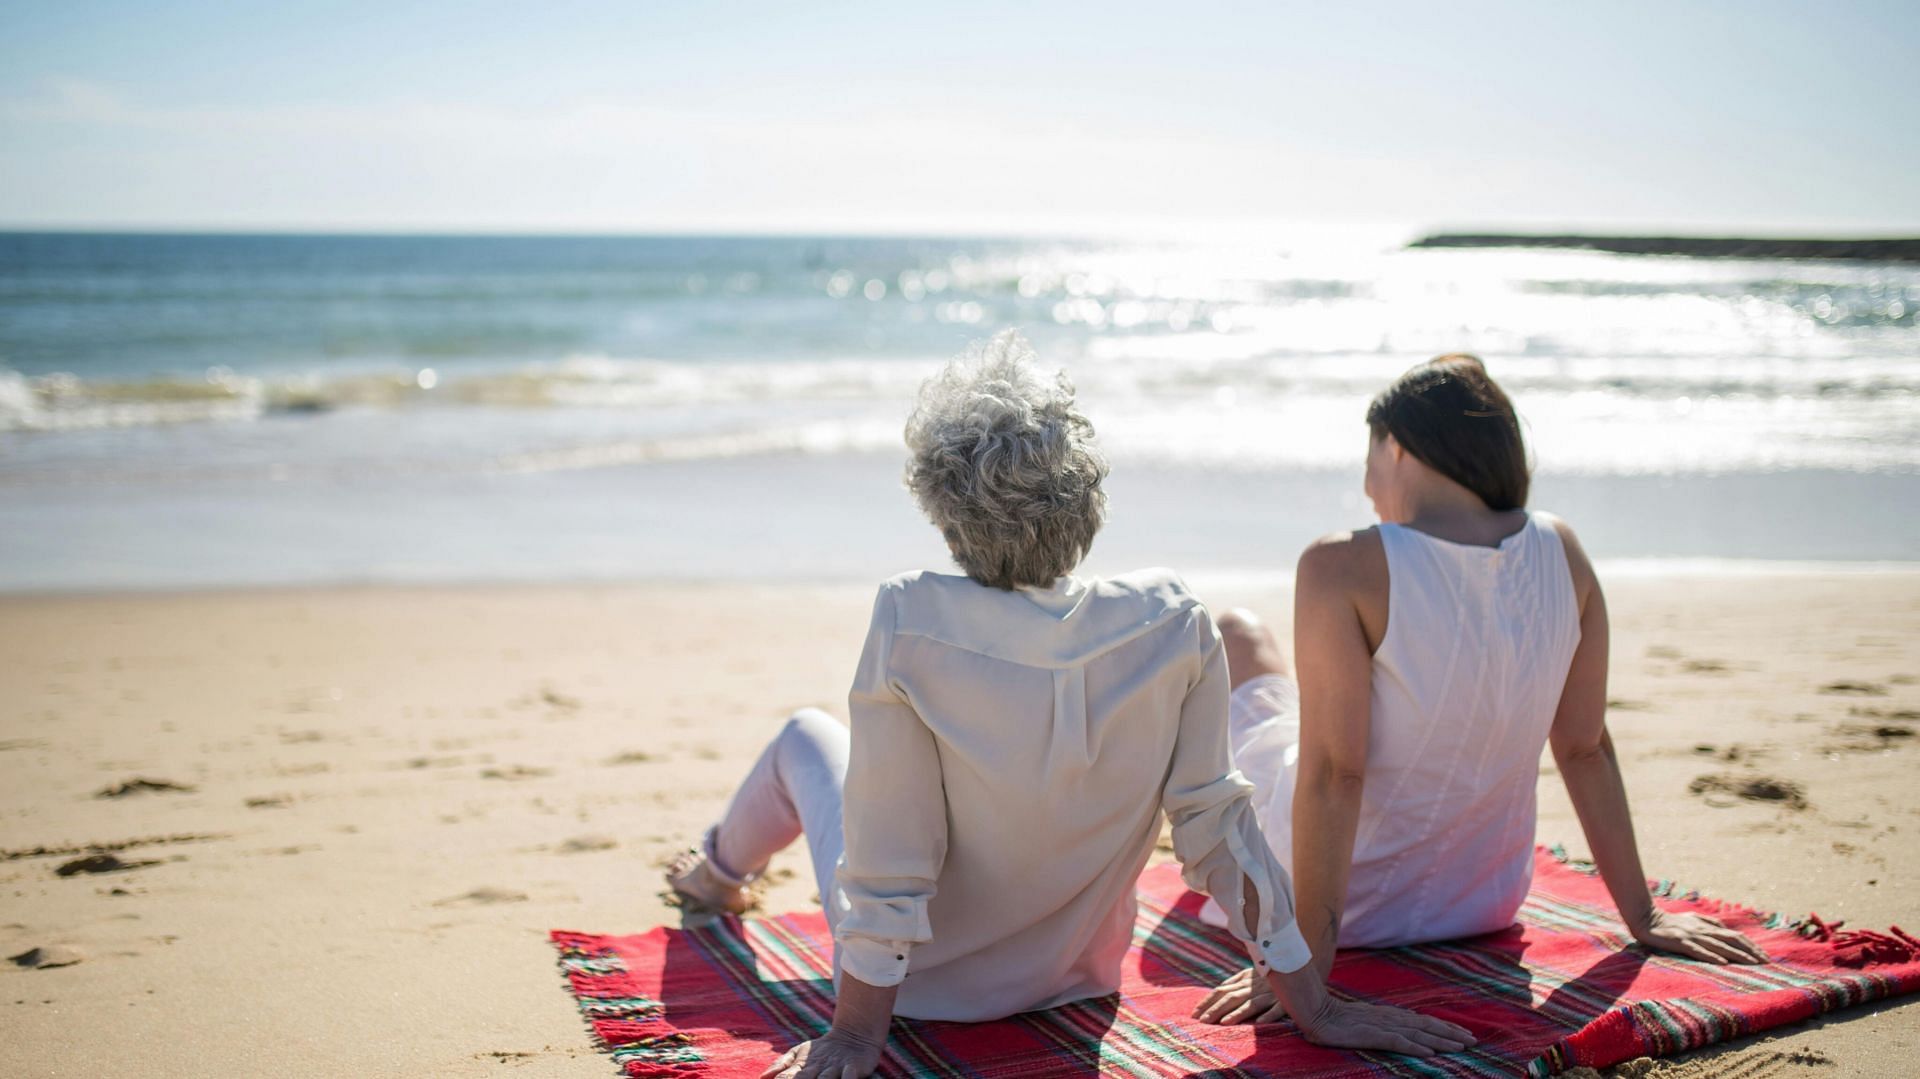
(1026,116)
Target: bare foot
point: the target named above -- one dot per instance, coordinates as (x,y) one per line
(693,880)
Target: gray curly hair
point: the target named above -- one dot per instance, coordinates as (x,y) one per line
(1005,466)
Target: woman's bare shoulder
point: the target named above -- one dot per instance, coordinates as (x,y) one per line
(1577,561)
(1344,559)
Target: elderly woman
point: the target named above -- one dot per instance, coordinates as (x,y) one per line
(1016,734)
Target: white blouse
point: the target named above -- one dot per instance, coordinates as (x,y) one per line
(1012,753)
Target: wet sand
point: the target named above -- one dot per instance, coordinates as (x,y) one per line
(326,830)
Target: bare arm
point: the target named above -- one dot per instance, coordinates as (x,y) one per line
(1335,664)
(1221,850)
(1583,750)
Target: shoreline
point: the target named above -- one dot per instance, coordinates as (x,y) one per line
(1218,577)
(845,518)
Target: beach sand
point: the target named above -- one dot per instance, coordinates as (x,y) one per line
(390,795)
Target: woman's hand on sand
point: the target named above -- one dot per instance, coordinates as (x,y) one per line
(1242,998)
(1348,1024)
(1698,936)
(834,1056)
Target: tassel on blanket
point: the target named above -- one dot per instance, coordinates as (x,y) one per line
(1860,947)
(631,1025)
(659,1056)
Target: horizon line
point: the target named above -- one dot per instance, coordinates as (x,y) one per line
(1253,229)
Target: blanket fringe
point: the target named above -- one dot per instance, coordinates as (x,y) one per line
(631,1027)
(1861,947)
(659,1057)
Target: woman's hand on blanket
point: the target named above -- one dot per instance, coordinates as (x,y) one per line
(1250,998)
(834,1056)
(1242,998)
(1698,936)
(1349,1024)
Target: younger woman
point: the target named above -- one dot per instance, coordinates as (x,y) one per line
(1438,653)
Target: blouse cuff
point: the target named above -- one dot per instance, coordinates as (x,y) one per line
(876,962)
(1284,950)
(1276,943)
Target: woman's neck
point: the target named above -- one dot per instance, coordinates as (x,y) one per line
(1456,514)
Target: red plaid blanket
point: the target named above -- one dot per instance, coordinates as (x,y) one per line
(1561,988)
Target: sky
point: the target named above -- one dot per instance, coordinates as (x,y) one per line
(565,116)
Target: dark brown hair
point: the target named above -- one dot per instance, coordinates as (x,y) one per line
(1452,416)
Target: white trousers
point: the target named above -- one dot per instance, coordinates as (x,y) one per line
(794,789)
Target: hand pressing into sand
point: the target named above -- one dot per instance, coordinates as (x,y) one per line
(1697,936)
(835,1056)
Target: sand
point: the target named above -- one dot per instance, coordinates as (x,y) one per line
(343,820)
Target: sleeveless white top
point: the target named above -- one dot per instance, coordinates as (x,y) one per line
(1465,687)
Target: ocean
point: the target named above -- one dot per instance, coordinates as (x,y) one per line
(193,411)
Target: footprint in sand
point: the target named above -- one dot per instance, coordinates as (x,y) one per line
(632,756)
(1717,787)
(1897,715)
(483,897)
(555,700)
(1846,688)
(1868,737)
(515,772)
(585,844)
(1757,1063)
(1730,753)
(298,848)
(119,844)
(143,785)
(101,863)
(47,956)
